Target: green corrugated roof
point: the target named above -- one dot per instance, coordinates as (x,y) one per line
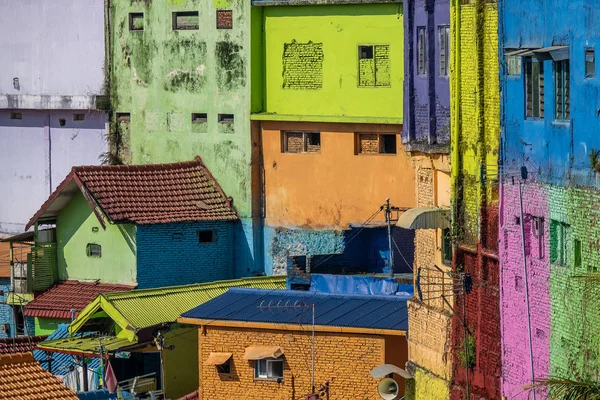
(86,345)
(138,309)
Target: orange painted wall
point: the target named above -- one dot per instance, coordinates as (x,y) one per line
(334,187)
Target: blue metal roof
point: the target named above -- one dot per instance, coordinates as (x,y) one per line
(61,362)
(102,394)
(275,306)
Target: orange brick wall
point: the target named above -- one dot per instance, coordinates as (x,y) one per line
(343,359)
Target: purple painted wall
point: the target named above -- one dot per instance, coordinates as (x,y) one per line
(516,370)
(427,97)
(36,154)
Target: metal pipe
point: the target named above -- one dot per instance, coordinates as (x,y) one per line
(465,344)
(526,287)
(313,349)
(388,218)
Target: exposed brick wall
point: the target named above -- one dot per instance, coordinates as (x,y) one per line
(368,143)
(170,254)
(303,66)
(382,65)
(224,19)
(294,142)
(343,359)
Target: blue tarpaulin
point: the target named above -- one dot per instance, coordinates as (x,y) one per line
(352,284)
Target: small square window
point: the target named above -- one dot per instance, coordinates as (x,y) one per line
(226,118)
(94,250)
(269,368)
(186,20)
(224,19)
(78,117)
(136,21)
(590,63)
(375,143)
(365,52)
(123,118)
(199,118)
(301,142)
(388,144)
(207,236)
(224,368)
(16,115)
(513,65)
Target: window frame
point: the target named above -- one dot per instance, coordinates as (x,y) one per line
(191,13)
(374,58)
(562,85)
(132,17)
(529,63)
(446,243)
(219,11)
(265,376)
(202,231)
(225,368)
(443,50)
(305,135)
(357,144)
(92,253)
(590,51)
(559,241)
(421,51)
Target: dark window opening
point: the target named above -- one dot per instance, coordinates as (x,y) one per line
(16,115)
(78,117)
(388,144)
(365,52)
(62,121)
(577,253)
(123,118)
(538,233)
(224,368)
(226,118)
(224,19)
(301,142)
(590,63)
(207,236)
(559,239)
(186,20)
(534,89)
(199,118)
(20,321)
(446,247)
(94,250)
(136,21)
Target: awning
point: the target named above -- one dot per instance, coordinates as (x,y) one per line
(217,358)
(258,353)
(385,369)
(517,52)
(555,53)
(425,218)
(86,345)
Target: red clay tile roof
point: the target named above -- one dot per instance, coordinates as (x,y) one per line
(148,194)
(190,396)
(21,377)
(21,344)
(60,299)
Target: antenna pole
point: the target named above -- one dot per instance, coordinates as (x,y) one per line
(313,348)
(388,220)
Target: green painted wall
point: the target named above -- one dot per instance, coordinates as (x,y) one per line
(181,364)
(75,229)
(45,326)
(161,76)
(312,64)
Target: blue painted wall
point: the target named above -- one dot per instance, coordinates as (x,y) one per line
(556,152)
(6,311)
(170,254)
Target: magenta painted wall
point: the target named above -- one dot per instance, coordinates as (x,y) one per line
(516,370)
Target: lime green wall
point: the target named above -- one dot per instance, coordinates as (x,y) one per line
(181,363)
(75,229)
(45,326)
(329,85)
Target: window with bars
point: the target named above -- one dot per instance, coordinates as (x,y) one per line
(301,142)
(376,143)
(534,88)
(444,43)
(421,51)
(562,98)
(94,250)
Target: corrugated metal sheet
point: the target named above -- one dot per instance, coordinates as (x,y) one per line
(86,344)
(338,310)
(424,218)
(149,307)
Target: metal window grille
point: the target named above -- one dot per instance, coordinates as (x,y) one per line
(534,85)
(444,44)
(422,51)
(562,90)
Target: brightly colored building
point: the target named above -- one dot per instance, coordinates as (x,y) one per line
(475,143)
(426,135)
(549,303)
(327,113)
(180,86)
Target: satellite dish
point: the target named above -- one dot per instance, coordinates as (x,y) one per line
(388,389)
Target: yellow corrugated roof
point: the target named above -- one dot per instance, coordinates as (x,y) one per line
(149,307)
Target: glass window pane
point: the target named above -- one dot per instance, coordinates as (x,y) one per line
(275,368)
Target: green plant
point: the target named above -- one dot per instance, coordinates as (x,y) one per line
(467,354)
(594,156)
(566,389)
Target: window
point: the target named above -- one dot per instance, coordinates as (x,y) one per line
(537,228)
(94,250)
(206,236)
(224,368)
(78,117)
(301,142)
(374,66)
(577,253)
(136,21)
(559,237)
(224,19)
(269,368)
(421,51)
(513,65)
(534,86)
(123,118)
(226,118)
(444,43)
(16,115)
(375,143)
(446,247)
(199,118)
(590,63)
(561,78)
(185,20)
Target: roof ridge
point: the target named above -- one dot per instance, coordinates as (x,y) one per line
(301,293)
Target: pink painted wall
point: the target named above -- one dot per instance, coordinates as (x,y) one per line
(515,342)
